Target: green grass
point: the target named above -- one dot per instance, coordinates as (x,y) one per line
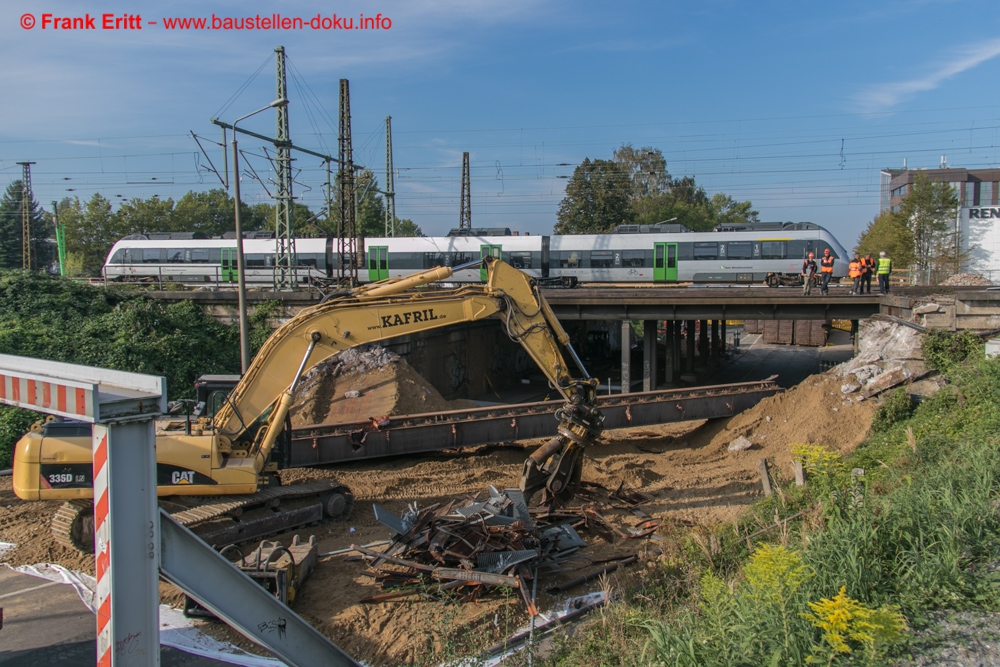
(919,532)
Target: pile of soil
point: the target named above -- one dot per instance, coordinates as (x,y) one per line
(365,382)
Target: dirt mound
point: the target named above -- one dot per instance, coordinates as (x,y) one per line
(364,382)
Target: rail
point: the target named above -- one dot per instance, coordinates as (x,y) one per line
(320,444)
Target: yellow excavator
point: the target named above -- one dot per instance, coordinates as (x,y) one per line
(217,474)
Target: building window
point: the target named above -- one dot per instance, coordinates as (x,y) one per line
(986,193)
(970,192)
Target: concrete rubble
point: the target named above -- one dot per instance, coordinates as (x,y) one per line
(889,354)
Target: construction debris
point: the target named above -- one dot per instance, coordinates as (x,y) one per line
(497,541)
(967,280)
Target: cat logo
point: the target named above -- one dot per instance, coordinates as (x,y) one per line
(182,477)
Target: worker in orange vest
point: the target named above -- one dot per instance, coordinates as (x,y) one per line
(826,270)
(808,274)
(854,271)
(867,270)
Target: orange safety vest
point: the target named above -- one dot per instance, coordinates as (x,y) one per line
(867,265)
(854,269)
(826,264)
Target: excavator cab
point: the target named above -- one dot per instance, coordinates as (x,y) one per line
(211,392)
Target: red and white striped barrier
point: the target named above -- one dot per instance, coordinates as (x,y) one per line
(102,549)
(73,400)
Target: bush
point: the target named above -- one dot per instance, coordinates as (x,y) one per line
(14,422)
(944,349)
(895,407)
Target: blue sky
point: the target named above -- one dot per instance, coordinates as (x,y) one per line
(796,106)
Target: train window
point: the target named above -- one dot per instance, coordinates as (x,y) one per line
(773,250)
(198,256)
(118,257)
(175,255)
(569,259)
(458,258)
(434,259)
(214,255)
(634,258)
(601,259)
(307,260)
(258,260)
(520,260)
(740,250)
(706,251)
(150,255)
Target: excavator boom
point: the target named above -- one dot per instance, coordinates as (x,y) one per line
(254,415)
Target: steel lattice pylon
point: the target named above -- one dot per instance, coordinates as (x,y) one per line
(390,182)
(284,232)
(465,215)
(26,198)
(350,249)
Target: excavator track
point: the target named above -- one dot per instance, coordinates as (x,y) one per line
(226,519)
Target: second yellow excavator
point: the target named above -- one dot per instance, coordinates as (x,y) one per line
(218,474)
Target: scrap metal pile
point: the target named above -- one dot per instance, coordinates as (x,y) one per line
(470,549)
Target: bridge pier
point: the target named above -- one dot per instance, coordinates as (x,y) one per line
(649,331)
(689,362)
(626,355)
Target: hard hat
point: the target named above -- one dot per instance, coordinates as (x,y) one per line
(882,254)
(811,255)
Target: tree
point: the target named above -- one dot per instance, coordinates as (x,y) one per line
(726,210)
(929,211)
(646,168)
(143,216)
(11,228)
(598,198)
(208,212)
(888,233)
(91,230)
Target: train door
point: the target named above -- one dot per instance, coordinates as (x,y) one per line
(230,267)
(487,251)
(664,262)
(378,263)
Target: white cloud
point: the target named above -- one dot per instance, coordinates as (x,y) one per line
(883,97)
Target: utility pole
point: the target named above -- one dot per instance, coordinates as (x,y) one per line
(26,214)
(348,235)
(465,215)
(284,233)
(390,182)
(60,239)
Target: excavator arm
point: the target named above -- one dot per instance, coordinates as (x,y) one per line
(253,417)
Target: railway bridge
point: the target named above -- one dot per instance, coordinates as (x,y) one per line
(691,319)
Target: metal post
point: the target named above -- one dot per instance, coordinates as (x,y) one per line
(722,336)
(689,366)
(649,355)
(240,263)
(390,182)
(716,354)
(126,522)
(703,343)
(626,356)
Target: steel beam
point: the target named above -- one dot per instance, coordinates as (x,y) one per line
(336,443)
(198,570)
